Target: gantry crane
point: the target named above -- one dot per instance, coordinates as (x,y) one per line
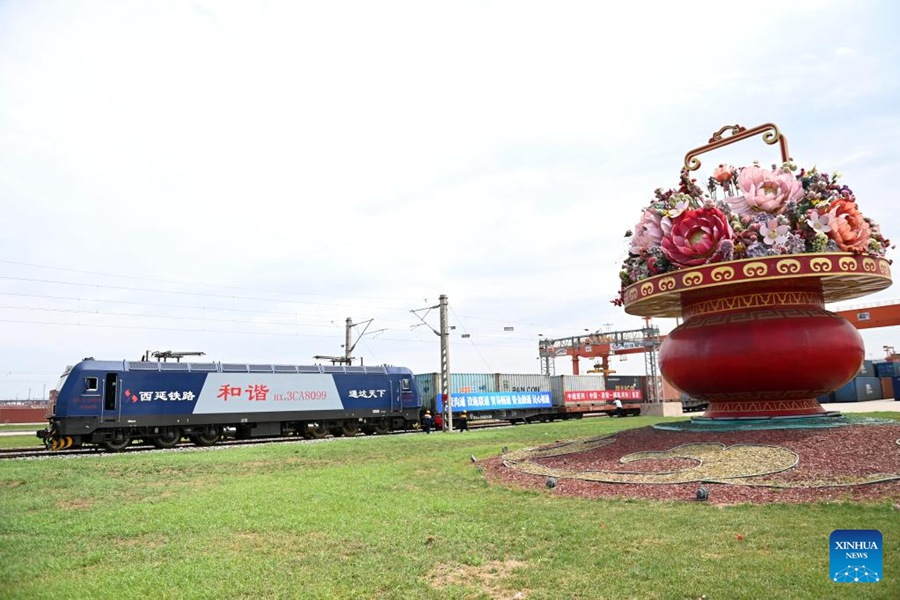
(872,316)
(603,344)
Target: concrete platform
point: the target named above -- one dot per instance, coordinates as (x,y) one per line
(867,406)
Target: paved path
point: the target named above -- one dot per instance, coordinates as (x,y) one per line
(867,406)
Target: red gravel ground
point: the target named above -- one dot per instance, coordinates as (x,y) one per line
(826,455)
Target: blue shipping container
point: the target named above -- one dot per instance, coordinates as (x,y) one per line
(887,369)
(859,389)
(867,369)
(829,397)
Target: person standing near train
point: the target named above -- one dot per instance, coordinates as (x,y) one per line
(427,421)
(618,404)
(463,421)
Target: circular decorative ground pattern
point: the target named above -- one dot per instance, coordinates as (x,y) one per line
(854,463)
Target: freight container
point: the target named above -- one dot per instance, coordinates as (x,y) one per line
(575,389)
(867,369)
(859,389)
(887,368)
(429,385)
(522,383)
(479,393)
(895,384)
(826,398)
(576,395)
(625,382)
(887,387)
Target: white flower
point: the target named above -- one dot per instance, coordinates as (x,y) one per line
(676,210)
(819,224)
(773,233)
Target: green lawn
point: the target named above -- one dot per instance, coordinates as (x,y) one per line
(400,517)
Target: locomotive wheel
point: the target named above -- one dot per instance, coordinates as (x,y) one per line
(382,428)
(316,432)
(350,428)
(167,438)
(205,439)
(119,442)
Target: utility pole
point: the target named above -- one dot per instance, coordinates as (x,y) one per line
(445,361)
(347,348)
(444,334)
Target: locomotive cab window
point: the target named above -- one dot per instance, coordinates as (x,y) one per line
(91,384)
(404,385)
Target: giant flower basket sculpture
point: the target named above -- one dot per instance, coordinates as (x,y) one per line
(748,264)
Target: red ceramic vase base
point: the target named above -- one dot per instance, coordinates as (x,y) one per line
(767,409)
(761,351)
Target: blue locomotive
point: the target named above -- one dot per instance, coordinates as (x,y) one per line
(113,403)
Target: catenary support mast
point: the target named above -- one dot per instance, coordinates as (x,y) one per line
(445,361)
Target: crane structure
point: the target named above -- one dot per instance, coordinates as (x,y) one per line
(601,345)
(870,317)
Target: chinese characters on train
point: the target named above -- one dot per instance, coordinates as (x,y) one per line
(162,396)
(253,393)
(262,393)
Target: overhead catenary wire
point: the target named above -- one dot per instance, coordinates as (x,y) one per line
(472,343)
(243,295)
(168,306)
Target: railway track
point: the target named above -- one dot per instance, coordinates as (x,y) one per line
(43,453)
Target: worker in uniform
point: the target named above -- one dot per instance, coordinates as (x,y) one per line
(427,421)
(463,421)
(618,404)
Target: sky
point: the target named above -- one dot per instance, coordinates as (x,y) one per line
(239,178)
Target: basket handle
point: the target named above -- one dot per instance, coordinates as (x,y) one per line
(770,133)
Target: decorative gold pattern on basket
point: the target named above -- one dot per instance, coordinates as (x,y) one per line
(820,265)
(788,265)
(691,279)
(755,269)
(868,265)
(847,263)
(666,284)
(842,276)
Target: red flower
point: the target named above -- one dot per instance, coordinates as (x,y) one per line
(695,236)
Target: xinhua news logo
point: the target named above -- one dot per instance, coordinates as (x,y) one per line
(856,556)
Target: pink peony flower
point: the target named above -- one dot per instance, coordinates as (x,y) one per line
(848,227)
(768,191)
(647,233)
(695,236)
